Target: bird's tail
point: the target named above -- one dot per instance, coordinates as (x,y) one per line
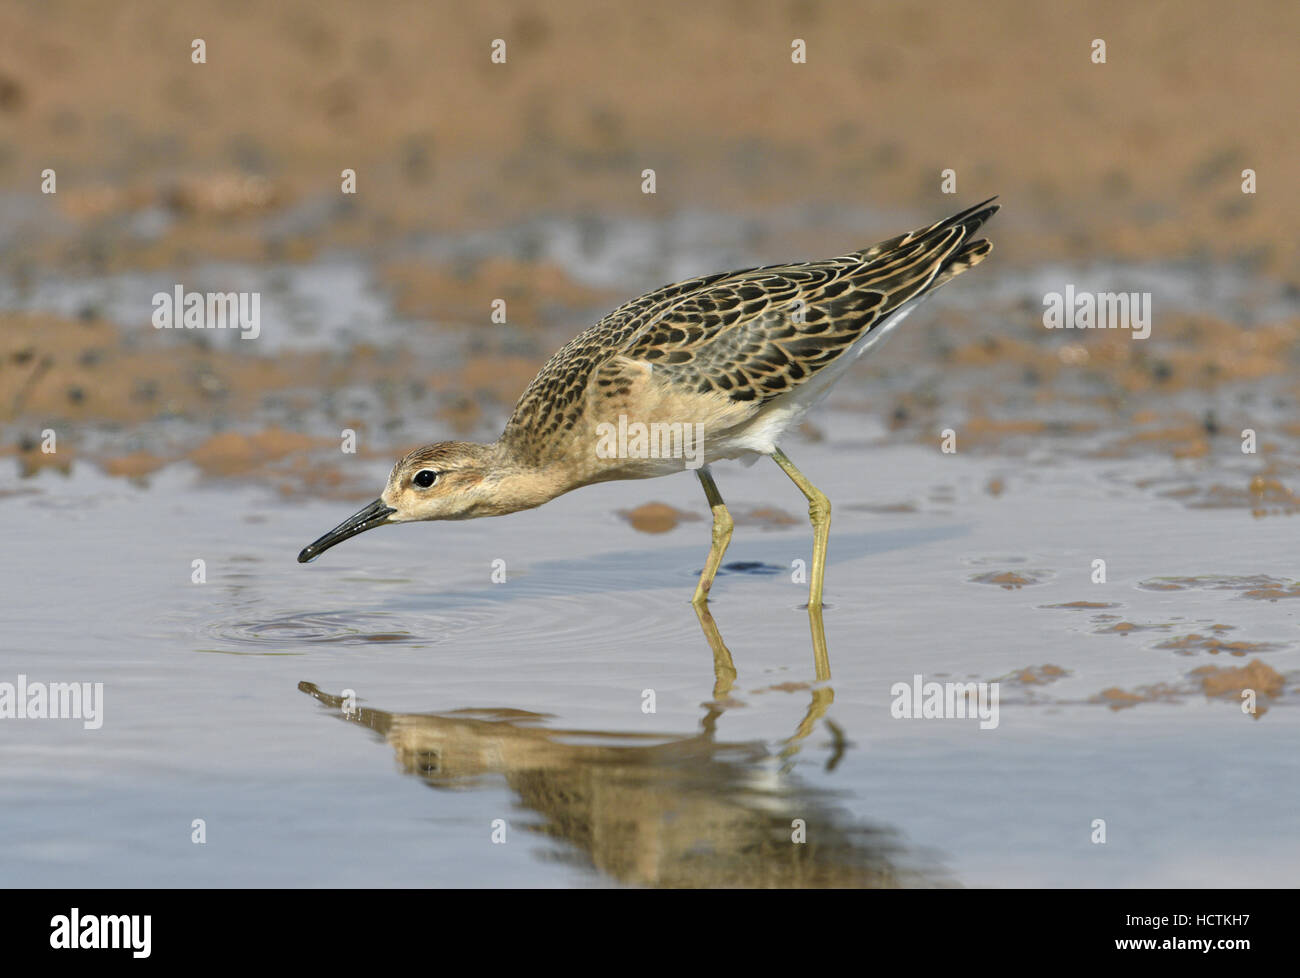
(969,220)
(967,256)
(945,247)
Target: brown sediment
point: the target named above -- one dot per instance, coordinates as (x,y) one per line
(982,429)
(1119,699)
(206,196)
(1254,584)
(1161,585)
(790,686)
(224,195)
(462,413)
(768,517)
(1255,675)
(565,124)
(1201,352)
(62,375)
(1037,675)
(660,517)
(882,507)
(1127,627)
(1274,593)
(32,459)
(327,480)
(60,370)
(464,294)
(230,453)
(500,378)
(1260,587)
(1010,580)
(1213,681)
(1190,352)
(1083,605)
(656,517)
(1001,351)
(1183,441)
(134,466)
(1190,644)
(1262,496)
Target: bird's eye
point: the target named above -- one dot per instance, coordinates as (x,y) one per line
(425,478)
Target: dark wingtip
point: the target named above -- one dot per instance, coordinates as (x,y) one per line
(977,215)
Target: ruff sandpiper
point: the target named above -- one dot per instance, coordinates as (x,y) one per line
(723,365)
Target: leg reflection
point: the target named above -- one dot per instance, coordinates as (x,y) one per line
(724,668)
(724,673)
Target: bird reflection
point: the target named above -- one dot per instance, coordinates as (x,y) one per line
(659,810)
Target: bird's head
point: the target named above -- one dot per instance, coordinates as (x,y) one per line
(452,480)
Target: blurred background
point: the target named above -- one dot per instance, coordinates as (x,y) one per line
(478,180)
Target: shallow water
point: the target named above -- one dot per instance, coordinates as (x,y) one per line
(527,695)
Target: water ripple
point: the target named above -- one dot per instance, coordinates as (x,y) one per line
(299,631)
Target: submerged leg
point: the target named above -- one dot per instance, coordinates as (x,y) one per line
(819,514)
(722,525)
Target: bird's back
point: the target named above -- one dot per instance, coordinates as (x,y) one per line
(750,335)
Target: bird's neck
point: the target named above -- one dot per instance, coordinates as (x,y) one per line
(518,483)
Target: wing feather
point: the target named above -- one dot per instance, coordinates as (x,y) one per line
(756,333)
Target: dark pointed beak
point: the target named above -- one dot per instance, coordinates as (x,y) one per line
(376,514)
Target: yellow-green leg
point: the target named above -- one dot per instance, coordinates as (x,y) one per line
(819,514)
(722,526)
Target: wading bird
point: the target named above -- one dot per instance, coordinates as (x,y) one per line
(742,355)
